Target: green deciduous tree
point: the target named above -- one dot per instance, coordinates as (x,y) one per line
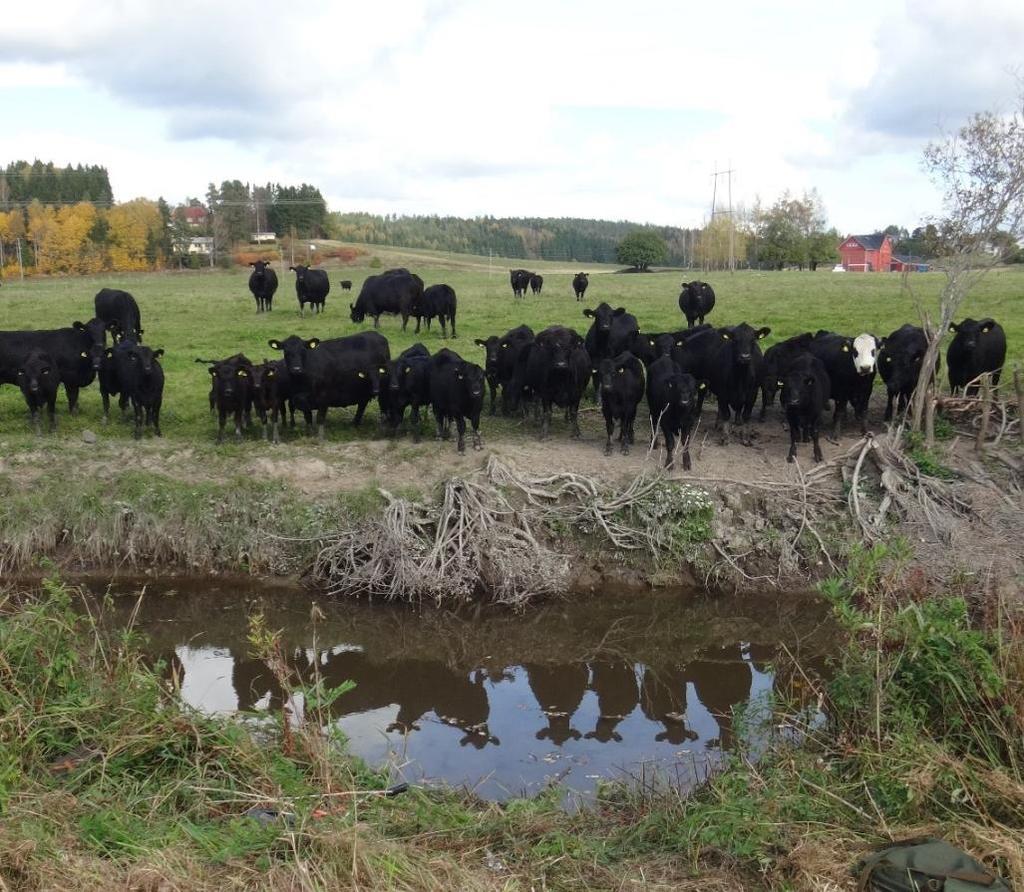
(641,248)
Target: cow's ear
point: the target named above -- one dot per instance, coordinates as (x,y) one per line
(313,343)
(987,325)
(588,312)
(780,383)
(810,381)
(845,348)
(158,353)
(109,352)
(726,335)
(78,326)
(703,385)
(351,306)
(252,265)
(763,332)
(618,311)
(479,342)
(953,327)
(212,369)
(274,344)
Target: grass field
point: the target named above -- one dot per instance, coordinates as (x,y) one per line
(212,314)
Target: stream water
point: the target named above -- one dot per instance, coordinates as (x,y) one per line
(616,686)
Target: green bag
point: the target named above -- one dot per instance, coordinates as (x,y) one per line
(925,865)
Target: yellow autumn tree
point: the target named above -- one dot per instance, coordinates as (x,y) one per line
(12,227)
(133,236)
(71,248)
(41,229)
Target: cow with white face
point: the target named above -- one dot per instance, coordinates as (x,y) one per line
(850,363)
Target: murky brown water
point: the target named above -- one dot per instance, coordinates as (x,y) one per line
(608,687)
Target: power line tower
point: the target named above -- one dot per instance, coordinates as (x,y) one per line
(715,212)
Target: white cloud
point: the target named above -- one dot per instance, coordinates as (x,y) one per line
(584,109)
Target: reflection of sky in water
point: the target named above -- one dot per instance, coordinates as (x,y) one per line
(517,757)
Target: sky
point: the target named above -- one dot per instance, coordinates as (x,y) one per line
(530,108)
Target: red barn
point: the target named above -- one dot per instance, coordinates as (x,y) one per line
(866,253)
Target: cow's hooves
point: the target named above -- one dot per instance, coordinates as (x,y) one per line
(790,458)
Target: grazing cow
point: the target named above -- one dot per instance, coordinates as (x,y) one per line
(406,385)
(520,279)
(77,351)
(263,284)
(439,301)
(899,364)
(311,287)
(622,387)
(579,284)
(336,372)
(805,391)
(502,355)
(850,363)
(231,390)
(554,370)
(38,379)
(536,283)
(776,359)
(734,374)
(696,300)
(611,332)
(142,379)
(456,393)
(346,284)
(396,292)
(673,398)
(120,312)
(976,348)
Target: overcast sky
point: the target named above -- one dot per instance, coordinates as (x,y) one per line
(533,107)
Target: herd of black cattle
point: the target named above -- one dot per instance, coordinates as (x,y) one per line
(532,370)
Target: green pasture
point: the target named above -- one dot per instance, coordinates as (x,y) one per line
(210,313)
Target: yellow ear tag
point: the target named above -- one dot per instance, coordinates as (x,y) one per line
(846,349)
(985,330)
(361,374)
(242,373)
(780,383)
(85,355)
(702,386)
(408,369)
(651,342)
(621,371)
(679,343)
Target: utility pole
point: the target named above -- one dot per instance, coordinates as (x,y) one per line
(715,212)
(21,268)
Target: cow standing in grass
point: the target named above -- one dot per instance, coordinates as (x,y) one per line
(262,284)
(38,377)
(142,380)
(622,388)
(456,393)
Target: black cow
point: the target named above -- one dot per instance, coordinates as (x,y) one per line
(554,370)
(502,355)
(456,393)
(263,284)
(264,394)
(734,373)
(579,284)
(696,300)
(673,398)
(346,284)
(396,292)
(406,385)
(850,363)
(439,301)
(336,372)
(611,332)
(311,287)
(536,283)
(805,391)
(142,380)
(649,346)
(775,362)
(38,378)
(622,387)
(520,280)
(77,351)
(110,384)
(230,391)
(120,312)
(899,364)
(976,348)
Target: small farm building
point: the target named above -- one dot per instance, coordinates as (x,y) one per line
(866,253)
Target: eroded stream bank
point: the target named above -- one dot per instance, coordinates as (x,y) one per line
(615,686)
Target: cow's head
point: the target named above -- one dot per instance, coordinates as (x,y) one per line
(797,388)
(300,272)
(471,379)
(94,343)
(971,332)
(603,315)
(357,313)
(371,375)
(743,341)
(900,364)
(865,353)
(557,346)
(295,351)
(37,374)
(141,360)
(491,347)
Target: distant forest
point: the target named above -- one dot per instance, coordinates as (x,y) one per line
(21,182)
(530,238)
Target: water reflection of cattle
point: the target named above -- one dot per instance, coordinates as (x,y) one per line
(614,682)
(559,691)
(663,699)
(722,681)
